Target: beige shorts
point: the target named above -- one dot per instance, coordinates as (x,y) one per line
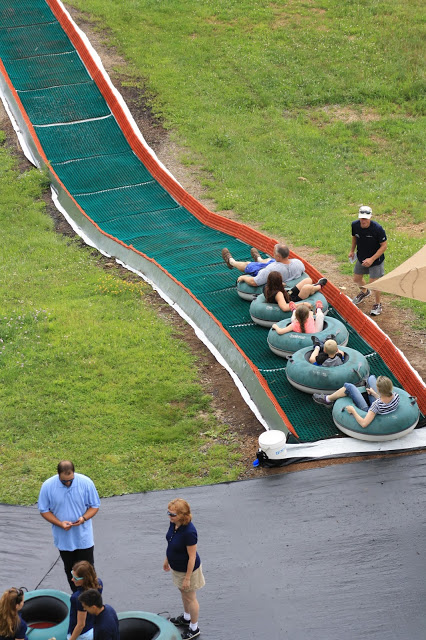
(197,579)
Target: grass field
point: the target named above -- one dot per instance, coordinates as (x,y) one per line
(81,375)
(297,111)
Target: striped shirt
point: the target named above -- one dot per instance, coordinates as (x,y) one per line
(380,407)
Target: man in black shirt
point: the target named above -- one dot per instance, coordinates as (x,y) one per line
(370,241)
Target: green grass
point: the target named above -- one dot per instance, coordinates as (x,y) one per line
(81,376)
(262,94)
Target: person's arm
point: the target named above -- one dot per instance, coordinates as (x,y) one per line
(364,422)
(372,392)
(353,247)
(369,261)
(313,356)
(81,621)
(192,553)
(281,330)
(249,279)
(280,300)
(166,565)
(90,513)
(50,517)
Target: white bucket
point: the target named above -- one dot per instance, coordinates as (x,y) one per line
(273,443)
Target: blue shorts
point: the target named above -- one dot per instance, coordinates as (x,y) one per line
(253,268)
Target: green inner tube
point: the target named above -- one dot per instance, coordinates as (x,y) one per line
(49,609)
(143,625)
(311,378)
(267,313)
(288,343)
(384,427)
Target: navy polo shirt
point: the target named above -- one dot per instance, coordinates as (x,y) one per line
(106,625)
(368,240)
(21,631)
(177,555)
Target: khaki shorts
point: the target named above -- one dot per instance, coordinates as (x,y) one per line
(197,579)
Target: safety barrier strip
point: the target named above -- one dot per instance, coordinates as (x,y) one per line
(363,324)
(45,160)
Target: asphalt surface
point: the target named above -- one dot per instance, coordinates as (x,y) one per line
(327,554)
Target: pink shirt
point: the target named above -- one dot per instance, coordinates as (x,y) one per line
(309,326)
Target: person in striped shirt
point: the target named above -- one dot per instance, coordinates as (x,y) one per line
(381,398)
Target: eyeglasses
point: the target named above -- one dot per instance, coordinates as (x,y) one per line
(19,592)
(172,515)
(76,577)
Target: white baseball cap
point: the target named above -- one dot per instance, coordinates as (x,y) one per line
(365,212)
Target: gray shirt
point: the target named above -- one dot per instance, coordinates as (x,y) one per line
(293,269)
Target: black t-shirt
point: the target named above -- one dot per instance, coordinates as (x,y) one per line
(368,240)
(323,357)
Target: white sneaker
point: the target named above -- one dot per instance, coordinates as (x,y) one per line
(376,310)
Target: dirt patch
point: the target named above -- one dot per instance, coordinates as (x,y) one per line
(229,407)
(291,14)
(349,114)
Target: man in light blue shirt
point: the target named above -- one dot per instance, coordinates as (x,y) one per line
(68,501)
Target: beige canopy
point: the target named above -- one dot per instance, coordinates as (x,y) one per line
(408,280)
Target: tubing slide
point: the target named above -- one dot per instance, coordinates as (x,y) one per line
(122,200)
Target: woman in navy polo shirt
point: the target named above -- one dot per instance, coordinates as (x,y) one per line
(81,623)
(182,558)
(12,627)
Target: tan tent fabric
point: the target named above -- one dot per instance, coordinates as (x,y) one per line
(408,280)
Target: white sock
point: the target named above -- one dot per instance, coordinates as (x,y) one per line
(193,626)
(187,616)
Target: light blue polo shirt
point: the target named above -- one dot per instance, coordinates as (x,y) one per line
(70,503)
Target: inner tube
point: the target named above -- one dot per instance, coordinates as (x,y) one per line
(267,313)
(384,427)
(288,343)
(247,292)
(142,625)
(46,612)
(310,378)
